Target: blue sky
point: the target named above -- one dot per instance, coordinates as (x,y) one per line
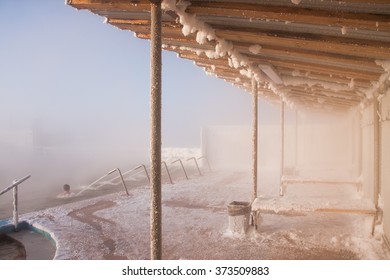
(67,68)
(87,83)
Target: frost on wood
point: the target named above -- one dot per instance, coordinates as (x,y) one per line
(255,49)
(190,22)
(296,2)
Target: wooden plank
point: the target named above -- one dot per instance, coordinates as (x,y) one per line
(255,37)
(343,72)
(349,61)
(291,14)
(104,5)
(345,210)
(319,77)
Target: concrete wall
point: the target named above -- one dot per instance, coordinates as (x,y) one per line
(385,161)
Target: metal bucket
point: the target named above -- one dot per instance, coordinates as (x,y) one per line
(239,216)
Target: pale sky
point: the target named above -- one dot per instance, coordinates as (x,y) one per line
(87,83)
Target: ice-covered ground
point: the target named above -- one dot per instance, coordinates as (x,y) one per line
(195,224)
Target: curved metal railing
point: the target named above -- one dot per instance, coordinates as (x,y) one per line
(14,186)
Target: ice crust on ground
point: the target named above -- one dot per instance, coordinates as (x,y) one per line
(195,224)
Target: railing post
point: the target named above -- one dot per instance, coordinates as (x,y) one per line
(207,161)
(120,175)
(169,174)
(196,163)
(182,167)
(155,132)
(146,171)
(15,203)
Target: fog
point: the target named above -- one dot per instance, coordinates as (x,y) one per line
(75,99)
(318,145)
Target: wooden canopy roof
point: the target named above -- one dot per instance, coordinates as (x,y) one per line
(312,53)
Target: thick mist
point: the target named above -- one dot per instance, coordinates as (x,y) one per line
(74,98)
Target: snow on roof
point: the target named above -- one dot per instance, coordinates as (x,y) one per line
(332,51)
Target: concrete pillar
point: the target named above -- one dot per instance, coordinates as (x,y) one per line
(254,136)
(155,132)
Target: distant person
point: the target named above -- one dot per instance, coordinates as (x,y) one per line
(66,192)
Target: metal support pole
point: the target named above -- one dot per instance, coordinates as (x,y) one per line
(296,144)
(281,145)
(155,133)
(15,213)
(376,158)
(376,152)
(360,148)
(255,102)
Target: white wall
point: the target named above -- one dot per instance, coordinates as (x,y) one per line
(325,147)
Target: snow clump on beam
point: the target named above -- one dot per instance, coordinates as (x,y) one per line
(190,22)
(205,32)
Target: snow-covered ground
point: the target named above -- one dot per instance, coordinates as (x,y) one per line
(195,224)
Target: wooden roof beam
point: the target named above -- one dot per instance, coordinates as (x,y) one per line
(291,14)
(294,43)
(104,5)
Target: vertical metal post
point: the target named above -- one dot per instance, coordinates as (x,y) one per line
(123,182)
(182,167)
(360,148)
(155,133)
(376,159)
(376,151)
(296,144)
(15,212)
(196,163)
(281,145)
(254,136)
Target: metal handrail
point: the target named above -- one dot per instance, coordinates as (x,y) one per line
(123,181)
(207,161)
(14,186)
(196,162)
(146,171)
(105,175)
(182,166)
(169,175)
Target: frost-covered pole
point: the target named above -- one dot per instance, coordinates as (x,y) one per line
(296,143)
(155,132)
(281,144)
(15,213)
(254,135)
(376,152)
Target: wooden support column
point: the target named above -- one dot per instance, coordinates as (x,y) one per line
(255,102)
(281,145)
(155,132)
